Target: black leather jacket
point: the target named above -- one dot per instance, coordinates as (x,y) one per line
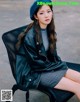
(33,60)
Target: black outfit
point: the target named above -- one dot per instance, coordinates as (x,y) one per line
(35,63)
(51,78)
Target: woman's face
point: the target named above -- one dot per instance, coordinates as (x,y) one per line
(44,16)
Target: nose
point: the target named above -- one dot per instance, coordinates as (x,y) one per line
(46,14)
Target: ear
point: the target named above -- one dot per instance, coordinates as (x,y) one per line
(35,17)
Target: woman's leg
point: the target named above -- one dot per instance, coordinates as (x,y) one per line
(69,85)
(73,75)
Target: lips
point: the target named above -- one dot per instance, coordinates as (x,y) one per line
(47,20)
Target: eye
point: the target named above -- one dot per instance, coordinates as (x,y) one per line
(41,13)
(49,11)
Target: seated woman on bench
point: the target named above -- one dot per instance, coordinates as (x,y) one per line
(40,39)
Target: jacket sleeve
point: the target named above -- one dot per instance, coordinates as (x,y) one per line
(57,56)
(31,53)
(59,59)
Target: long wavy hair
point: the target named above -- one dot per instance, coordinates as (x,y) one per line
(50,31)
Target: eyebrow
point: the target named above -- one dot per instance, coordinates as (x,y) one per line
(43,10)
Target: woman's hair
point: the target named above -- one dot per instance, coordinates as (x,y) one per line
(22,35)
(50,31)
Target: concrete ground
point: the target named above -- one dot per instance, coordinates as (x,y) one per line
(15,13)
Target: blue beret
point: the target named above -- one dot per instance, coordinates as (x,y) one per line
(34,7)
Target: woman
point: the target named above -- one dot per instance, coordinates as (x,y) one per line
(47,68)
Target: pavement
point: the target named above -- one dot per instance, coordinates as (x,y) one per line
(15,13)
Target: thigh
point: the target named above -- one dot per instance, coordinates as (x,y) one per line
(73,75)
(67,85)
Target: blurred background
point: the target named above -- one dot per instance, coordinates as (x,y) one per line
(14,14)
